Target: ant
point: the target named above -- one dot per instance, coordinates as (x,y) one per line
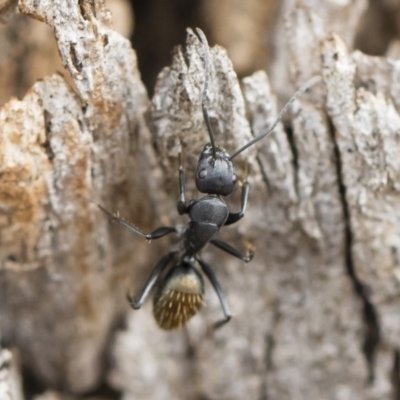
(180,293)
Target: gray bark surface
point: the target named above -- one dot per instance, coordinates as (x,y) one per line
(315,312)
(59,286)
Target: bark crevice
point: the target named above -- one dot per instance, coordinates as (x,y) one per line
(288,129)
(370,318)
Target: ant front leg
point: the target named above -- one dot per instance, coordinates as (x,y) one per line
(181,205)
(156,234)
(235,217)
(151,281)
(217,287)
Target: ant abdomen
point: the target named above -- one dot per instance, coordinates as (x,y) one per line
(179,297)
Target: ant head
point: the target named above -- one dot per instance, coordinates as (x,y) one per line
(215,172)
(179,298)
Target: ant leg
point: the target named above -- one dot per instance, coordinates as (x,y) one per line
(214,282)
(234,217)
(181,205)
(156,234)
(152,279)
(232,251)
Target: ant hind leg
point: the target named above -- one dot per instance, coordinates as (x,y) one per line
(151,281)
(217,287)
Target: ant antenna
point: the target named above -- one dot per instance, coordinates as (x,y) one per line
(204,96)
(302,89)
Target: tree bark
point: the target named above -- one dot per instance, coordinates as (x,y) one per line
(315,312)
(10,380)
(59,150)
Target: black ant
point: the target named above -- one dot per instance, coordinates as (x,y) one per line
(180,293)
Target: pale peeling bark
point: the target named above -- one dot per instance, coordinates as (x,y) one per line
(10,379)
(299,34)
(175,114)
(59,285)
(315,312)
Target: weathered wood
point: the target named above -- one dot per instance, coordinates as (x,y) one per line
(315,312)
(10,379)
(312,329)
(59,285)
(297,286)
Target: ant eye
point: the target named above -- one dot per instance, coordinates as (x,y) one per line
(234,178)
(202,173)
